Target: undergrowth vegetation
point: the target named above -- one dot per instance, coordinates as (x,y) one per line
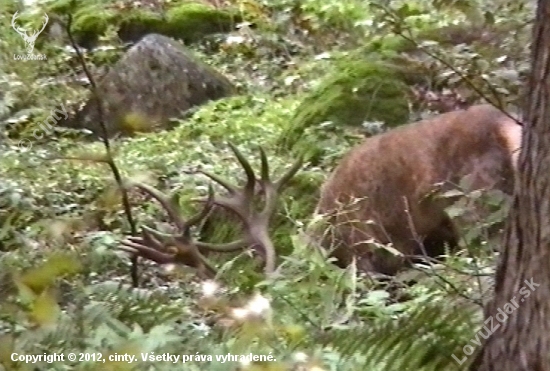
(314,77)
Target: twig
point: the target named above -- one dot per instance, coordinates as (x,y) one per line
(105,138)
(410,38)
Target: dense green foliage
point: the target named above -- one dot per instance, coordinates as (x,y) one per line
(314,76)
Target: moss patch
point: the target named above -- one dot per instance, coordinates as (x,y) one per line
(91,22)
(360,90)
(187,21)
(192,21)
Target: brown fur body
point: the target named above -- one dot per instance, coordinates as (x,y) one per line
(404,164)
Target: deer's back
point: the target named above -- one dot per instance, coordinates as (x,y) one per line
(404,164)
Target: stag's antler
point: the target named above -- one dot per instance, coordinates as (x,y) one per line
(171,248)
(180,247)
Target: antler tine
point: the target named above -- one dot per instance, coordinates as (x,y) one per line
(152,235)
(223,247)
(199,216)
(166,248)
(148,246)
(169,204)
(237,201)
(272,190)
(219,180)
(265,166)
(240,202)
(135,246)
(281,183)
(250,176)
(163,249)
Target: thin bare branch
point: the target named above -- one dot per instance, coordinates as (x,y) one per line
(110,158)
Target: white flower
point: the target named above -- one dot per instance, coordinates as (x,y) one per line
(239,313)
(209,288)
(300,357)
(259,305)
(245,362)
(235,39)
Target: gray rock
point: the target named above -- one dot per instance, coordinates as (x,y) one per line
(157,79)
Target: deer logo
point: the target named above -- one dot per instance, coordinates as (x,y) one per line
(29,39)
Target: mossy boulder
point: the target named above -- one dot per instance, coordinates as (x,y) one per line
(359,91)
(157,80)
(187,21)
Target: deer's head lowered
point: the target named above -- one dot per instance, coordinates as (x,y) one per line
(181,248)
(29,39)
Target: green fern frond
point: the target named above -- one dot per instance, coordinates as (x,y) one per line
(424,338)
(146,307)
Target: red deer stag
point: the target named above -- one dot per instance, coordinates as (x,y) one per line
(378,192)
(181,248)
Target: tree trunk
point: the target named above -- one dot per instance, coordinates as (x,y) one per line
(522,292)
